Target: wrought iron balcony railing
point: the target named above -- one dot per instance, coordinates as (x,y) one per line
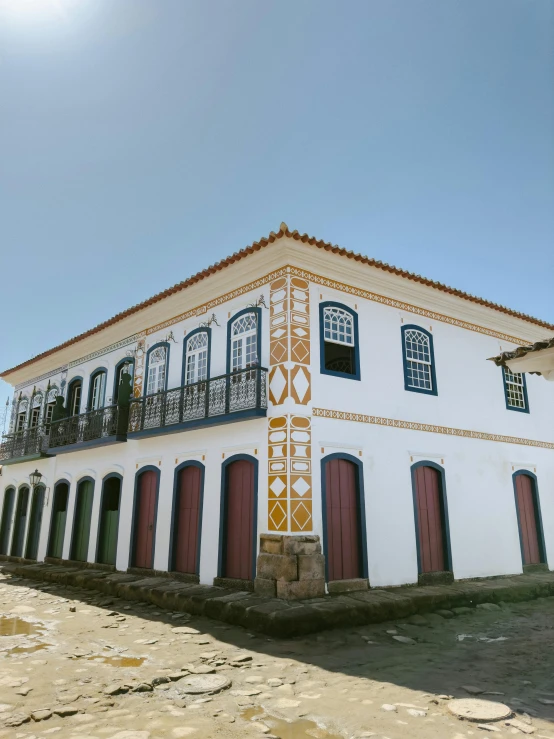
(228,397)
(102,425)
(26,444)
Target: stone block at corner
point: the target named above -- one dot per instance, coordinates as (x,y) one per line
(271,543)
(264,586)
(301,589)
(337,587)
(301,545)
(311,566)
(277,567)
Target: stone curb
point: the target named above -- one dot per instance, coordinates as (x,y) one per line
(280,618)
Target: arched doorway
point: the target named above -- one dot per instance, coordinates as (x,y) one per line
(109,520)
(239,518)
(7,513)
(59,516)
(146,505)
(35,522)
(344,530)
(81,520)
(20,522)
(431,518)
(187,513)
(528,517)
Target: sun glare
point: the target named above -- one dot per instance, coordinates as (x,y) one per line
(32,11)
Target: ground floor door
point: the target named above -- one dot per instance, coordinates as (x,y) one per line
(109,521)
(81,525)
(145,519)
(35,522)
(5,526)
(186,521)
(430,520)
(59,516)
(20,522)
(343,520)
(528,520)
(238,541)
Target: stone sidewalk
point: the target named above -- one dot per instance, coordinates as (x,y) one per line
(280,618)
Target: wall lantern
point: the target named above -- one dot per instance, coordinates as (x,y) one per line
(35,478)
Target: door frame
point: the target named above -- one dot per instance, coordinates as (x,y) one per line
(61,481)
(102,494)
(222,540)
(139,472)
(26,529)
(444,513)
(8,489)
(34,495)
(359,471)
(538,515)
(85,478)
(171,554)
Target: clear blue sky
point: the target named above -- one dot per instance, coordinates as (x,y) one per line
(141,140)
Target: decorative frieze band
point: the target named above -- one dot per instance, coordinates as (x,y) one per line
(428,427)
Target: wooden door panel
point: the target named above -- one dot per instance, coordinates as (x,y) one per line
(20,522)
(81,527)
(528,520)
(59,517)
(7,513)
(187,519)
(430,520)
(109,521)
(145,517)
(239,525)
(35,524)
(343,520)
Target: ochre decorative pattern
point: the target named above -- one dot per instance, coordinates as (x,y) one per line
(139,369)
(428,427)
(289,435)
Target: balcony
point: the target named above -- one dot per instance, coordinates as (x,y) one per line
(95,428)
(24,446)
(220,400)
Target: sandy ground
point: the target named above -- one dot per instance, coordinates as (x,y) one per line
(69,651)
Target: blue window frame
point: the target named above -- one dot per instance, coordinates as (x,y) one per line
(196,356)
(338,341)
(419,360)
(74,390)
(97,389)
(244,341)
(157,365)
(125,365)
(515,391)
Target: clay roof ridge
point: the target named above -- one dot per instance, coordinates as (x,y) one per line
(256,246)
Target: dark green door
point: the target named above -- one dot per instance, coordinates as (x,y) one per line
(81,527)
(109,521)
(7,513)
(20,522)
(59,515)
(31,550)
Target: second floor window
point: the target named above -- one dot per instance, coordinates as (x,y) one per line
(97,390)
(156,370)
(35,415)
(244,342)
(515,391)
(419,366)
(74,397)
(339,341)
(197,358)
(20,422)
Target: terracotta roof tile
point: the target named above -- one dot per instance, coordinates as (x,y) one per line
(521,351)
(256,246)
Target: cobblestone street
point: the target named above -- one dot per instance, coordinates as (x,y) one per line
(79,664)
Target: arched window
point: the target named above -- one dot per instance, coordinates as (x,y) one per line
(97,390)
(419,360)
(339,341)
(157,369)
(196,357)
(515,391)
(36,407)
(125,367)
(50,404)
(244,341)
(21,414)
(74,396)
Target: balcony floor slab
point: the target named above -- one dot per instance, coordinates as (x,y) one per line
(90,444)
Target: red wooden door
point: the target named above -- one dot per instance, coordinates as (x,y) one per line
(343,520)
(429,520)
(144,516)
(527,520)
(239,523)
(187,520)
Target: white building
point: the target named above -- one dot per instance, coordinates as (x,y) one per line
(293,387)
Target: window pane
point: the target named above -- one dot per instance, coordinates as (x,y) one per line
(338,326)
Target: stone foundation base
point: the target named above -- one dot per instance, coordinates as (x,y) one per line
(435,578)
(347,586)
(290,567)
